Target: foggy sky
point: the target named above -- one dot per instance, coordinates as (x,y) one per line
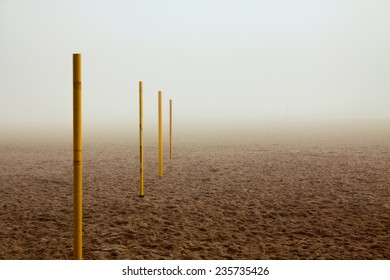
(218,60)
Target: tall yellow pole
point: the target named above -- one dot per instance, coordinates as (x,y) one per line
(160,134)
(77,160)
(170,128)
(141,143)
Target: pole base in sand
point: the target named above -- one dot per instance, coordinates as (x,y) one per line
(141,196)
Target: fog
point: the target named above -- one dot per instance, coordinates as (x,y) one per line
(221,62)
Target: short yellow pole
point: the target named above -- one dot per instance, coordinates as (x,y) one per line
(77,160)
(160,173)
(170,128)
(141,143)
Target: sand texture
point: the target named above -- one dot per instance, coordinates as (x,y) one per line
(260,200)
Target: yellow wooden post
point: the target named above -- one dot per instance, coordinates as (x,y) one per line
(141,144)
(77,160)
(170,128)
(160,134)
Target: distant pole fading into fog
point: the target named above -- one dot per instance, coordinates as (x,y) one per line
(170,128)
(160,172)
(77,160)
(141,144)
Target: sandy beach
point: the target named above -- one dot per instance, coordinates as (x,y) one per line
(261,199)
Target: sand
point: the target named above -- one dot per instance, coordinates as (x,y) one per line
(276,198)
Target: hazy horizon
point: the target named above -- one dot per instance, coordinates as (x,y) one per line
(235,133)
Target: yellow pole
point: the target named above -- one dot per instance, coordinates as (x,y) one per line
(170,128)
(160,134)
(141,144)
(77,160)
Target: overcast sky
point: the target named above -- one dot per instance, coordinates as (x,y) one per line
(219,60)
